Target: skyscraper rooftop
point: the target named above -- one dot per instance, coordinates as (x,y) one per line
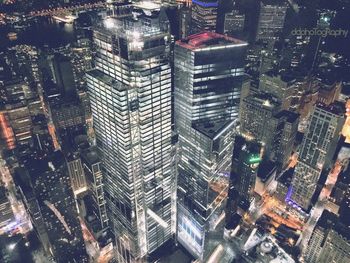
(209,39)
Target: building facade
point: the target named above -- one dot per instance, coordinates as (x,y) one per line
(130,93)
(204,15)
(271,20)
(316,152)
(257,111)
(208,79)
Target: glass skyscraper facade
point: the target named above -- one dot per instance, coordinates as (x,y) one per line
(208,78)
(316,151)
(130,93)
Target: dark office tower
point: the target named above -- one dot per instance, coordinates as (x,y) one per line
(130,93)
(316,151)
(271,20)
(208,79)
(256,114)
(96,203)
(329,242)
(204,15)
(244,175)
(285,131)
(245,162)
(51,182)
(184,22)
(224,6)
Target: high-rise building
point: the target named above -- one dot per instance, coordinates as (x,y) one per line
(130,94)
(271,20)
(245,162)
(97,209)
(329,242)
(204,15)
(184,21)
(281,86)
(234,23)
(263,119)
(317,150)
(49,178)
(256,114)
(208,79)
(285,131)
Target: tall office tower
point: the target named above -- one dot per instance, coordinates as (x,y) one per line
(234,23)
(208,79)
(329,242)
(271,20)
(49,177)
(6,213)
(281,86)
(130,92)
(204,15)
(245,162)
(285,131)
(184,21)
(256,114)
(96,209)
(317,150)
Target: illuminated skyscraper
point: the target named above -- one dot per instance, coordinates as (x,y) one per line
(316,152)
(204,15)
(130,92)
(208,79)
(271,20)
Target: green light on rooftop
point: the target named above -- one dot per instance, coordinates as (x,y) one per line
(254,159)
